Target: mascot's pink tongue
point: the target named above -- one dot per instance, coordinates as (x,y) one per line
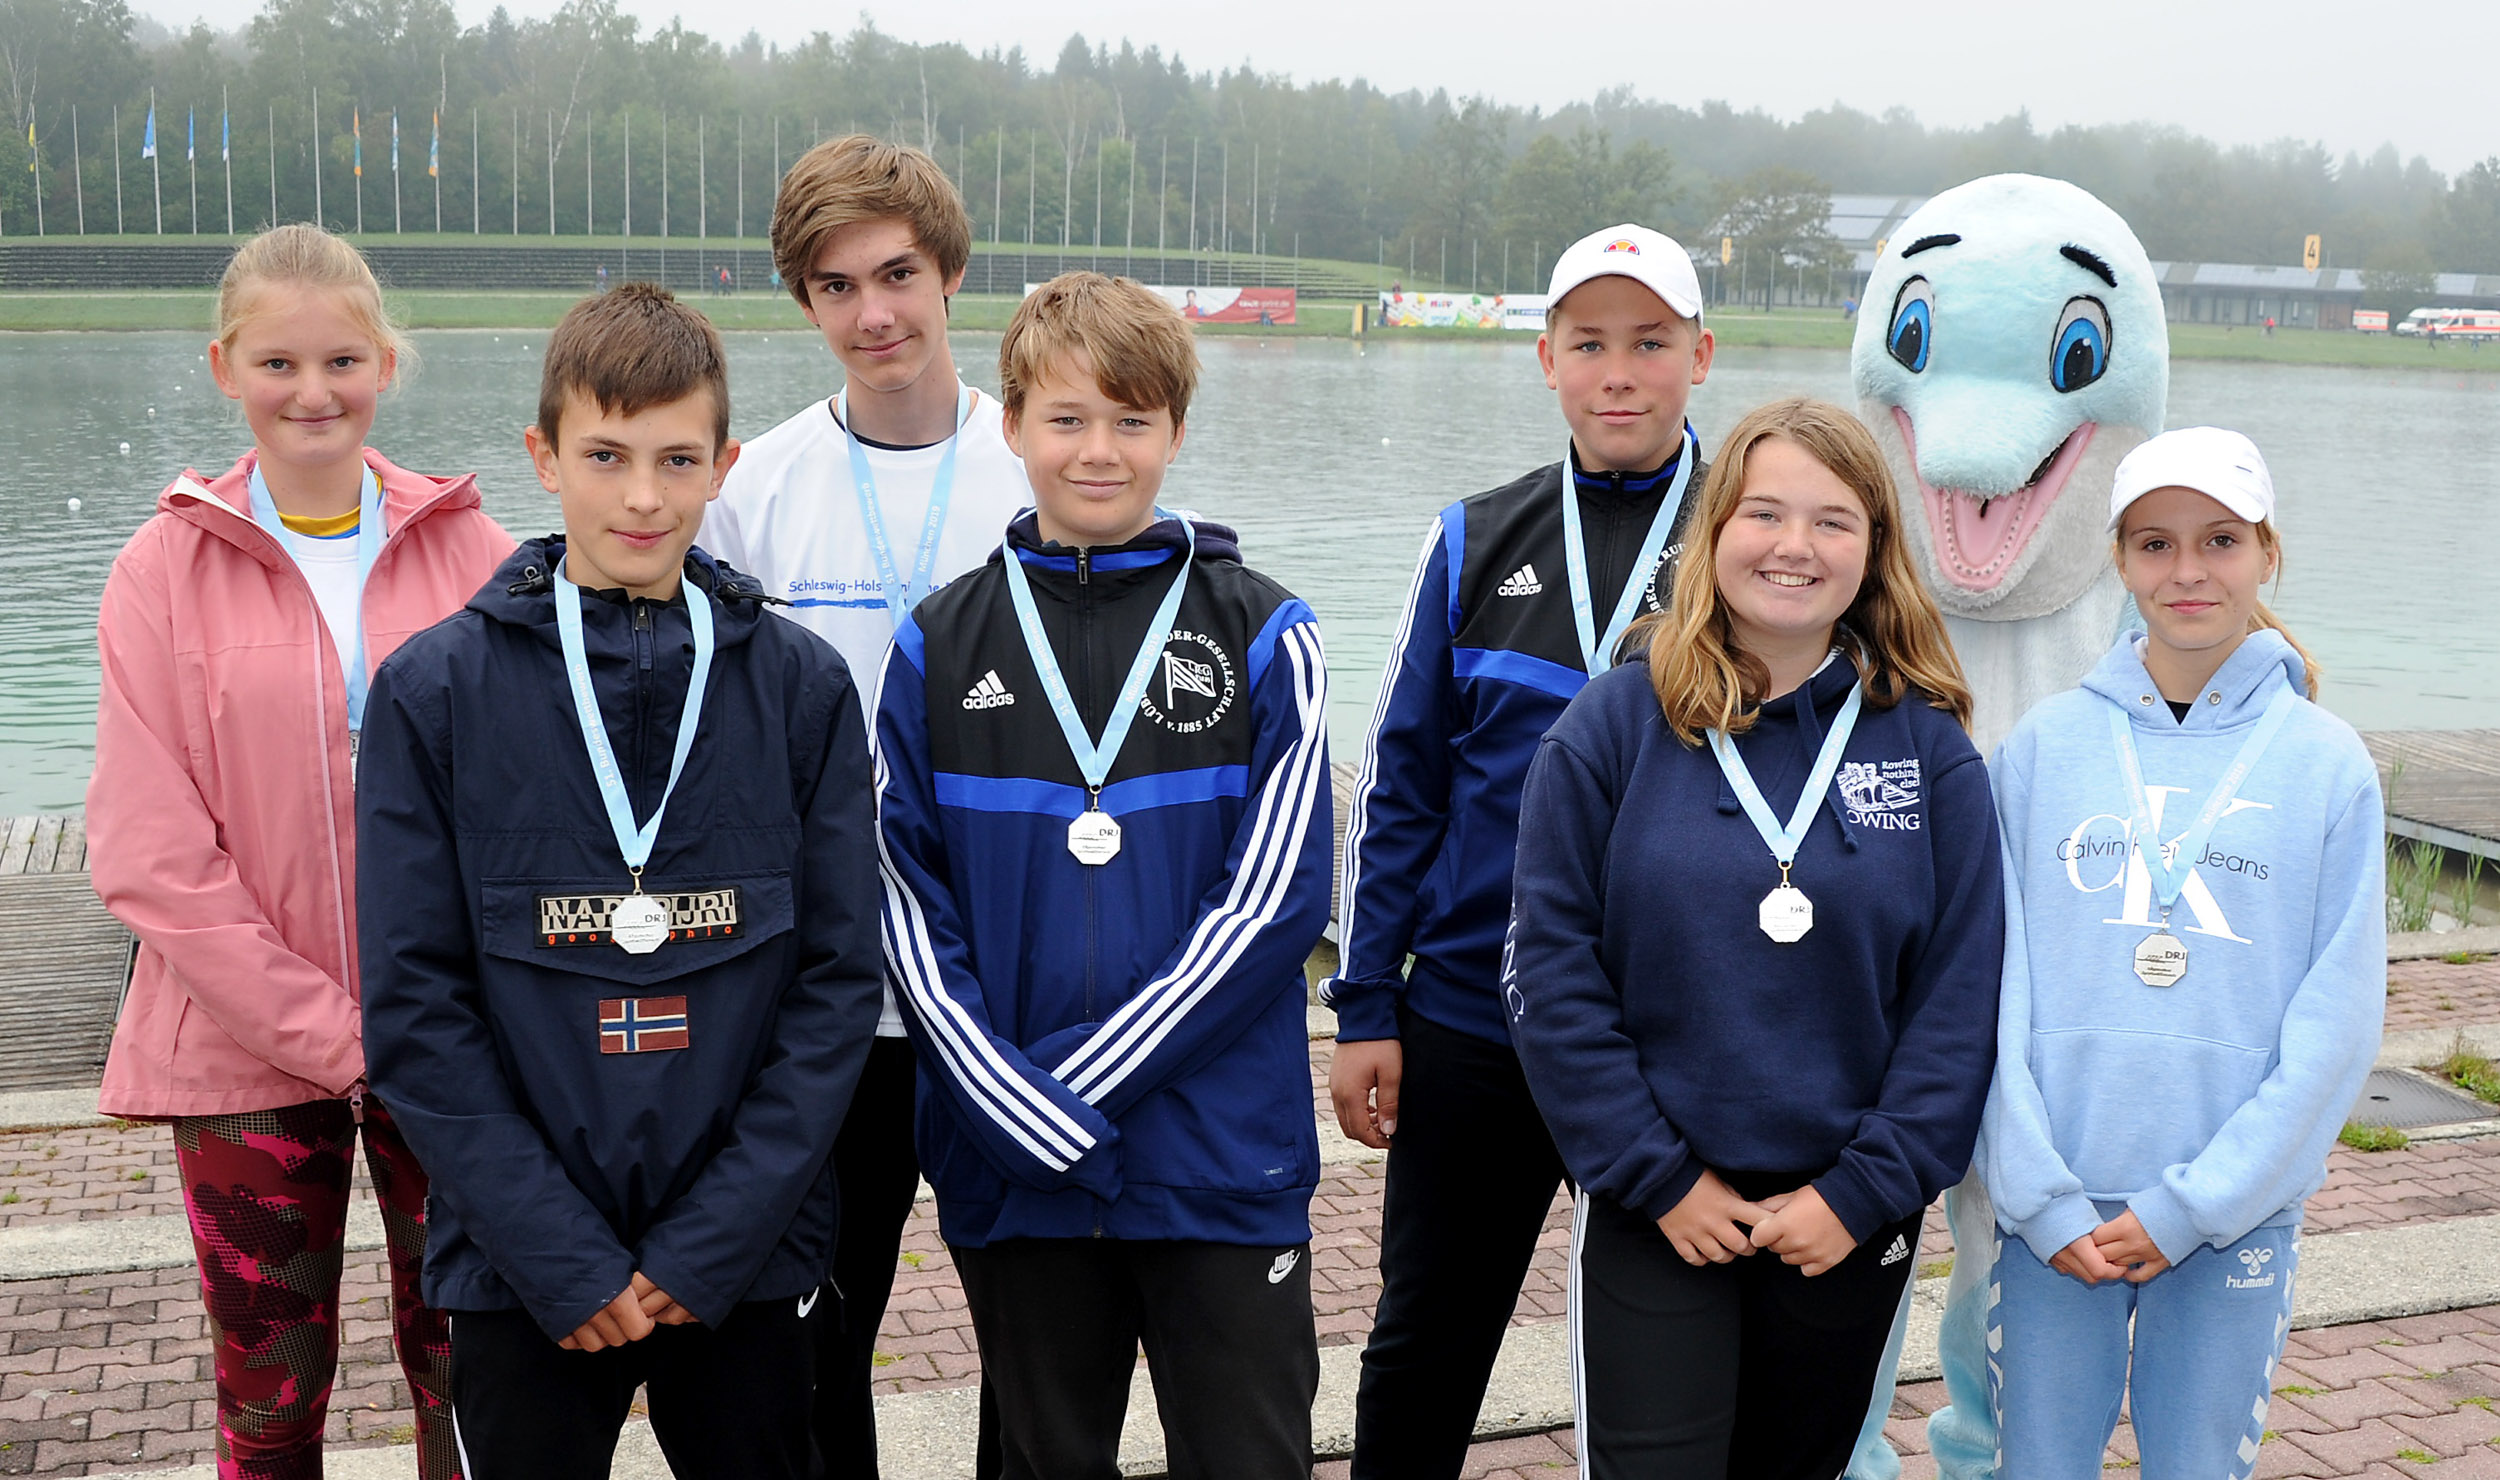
(1977,540)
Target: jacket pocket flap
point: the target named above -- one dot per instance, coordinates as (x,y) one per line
(557,926)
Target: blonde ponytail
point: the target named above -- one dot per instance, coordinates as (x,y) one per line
(2263,618)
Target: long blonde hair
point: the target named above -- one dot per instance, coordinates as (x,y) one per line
(1706,682)
(305,256)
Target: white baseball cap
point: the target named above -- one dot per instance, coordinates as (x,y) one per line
(2223,465)
(1650,258)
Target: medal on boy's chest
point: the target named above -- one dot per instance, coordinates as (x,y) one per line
(1094,835)
(639,923)
(1786,914)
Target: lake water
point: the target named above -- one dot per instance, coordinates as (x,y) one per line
(1329,456)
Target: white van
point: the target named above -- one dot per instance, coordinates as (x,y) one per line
(2451,323)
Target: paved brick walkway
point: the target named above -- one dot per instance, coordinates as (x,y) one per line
(108,1372)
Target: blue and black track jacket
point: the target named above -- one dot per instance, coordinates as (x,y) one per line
(1115,1051)
(1485,658)
(583,1112)
(1663,1033)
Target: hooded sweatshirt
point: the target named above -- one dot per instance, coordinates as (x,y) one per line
(1664,1034)
(2206,1107)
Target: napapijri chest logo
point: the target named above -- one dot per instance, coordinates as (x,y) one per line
(642,1024)
(1194,687)
(2256,1261)
(587,919)
(989,693)
(1520,582)
(1882,795)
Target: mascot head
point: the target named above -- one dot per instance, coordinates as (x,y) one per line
(2012,350)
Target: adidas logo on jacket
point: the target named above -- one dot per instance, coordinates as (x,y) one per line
(1115,1050)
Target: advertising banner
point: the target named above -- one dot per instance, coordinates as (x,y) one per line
(1518,311)
(1226,305)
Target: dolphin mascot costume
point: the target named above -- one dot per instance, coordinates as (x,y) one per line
(2012,350)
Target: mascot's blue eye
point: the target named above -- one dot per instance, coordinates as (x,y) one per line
(1913,324)
(2080,353)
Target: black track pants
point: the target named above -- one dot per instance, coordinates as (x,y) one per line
(1229,1340)
(1746,1369)
(874,1165)
(726,1404)
(1472,1174)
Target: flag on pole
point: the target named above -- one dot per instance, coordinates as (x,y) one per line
(394,141)
(434,151)
(147,144)
(225,134)
(190,135)
(356,125)
(31,154)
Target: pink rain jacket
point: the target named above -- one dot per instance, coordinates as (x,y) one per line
(221,818)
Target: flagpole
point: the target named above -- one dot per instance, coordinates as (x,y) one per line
(225,151)
(356,128)
(625,246)
(434,154)
(395,217)
(77,166)
(318,219)
(191,161)
(34,167)
(477,212)
(156,165)
(590,185)
(551,172)
(273,164)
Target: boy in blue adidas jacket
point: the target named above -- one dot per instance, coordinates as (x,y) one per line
(1103,784)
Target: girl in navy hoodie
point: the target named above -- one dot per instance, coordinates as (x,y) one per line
(1755,944)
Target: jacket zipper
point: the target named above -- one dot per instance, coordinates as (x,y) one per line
(644,648)
(1085,661)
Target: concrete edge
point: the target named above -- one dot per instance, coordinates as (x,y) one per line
(2423,945)
(50,1109)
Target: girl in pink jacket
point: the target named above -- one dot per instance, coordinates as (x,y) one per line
(239,628)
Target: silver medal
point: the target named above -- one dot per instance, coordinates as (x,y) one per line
(639,923)
(2160,959)
(1094,837)
(1787,914)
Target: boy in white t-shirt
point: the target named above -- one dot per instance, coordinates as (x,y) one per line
(852,511)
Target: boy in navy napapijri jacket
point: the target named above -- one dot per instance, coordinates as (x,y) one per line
(1105,809)
(623,1058)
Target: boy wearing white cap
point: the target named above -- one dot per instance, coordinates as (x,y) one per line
(1521,594)
(2195,973)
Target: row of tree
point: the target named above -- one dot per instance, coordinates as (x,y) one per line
(565,124)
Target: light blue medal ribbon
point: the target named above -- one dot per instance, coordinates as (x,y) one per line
(1094,837)
(1786,913)
(632,841)
(1597,656)
(2170,868)
(902,596)
(370,536)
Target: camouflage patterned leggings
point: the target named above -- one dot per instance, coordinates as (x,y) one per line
(267,1192)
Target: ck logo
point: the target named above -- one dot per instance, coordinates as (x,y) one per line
(2102,840)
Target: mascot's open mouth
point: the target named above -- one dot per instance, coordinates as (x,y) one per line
(1978,537)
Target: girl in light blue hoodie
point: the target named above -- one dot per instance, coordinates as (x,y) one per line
(2195,974)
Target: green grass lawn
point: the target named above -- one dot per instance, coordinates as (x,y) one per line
(1735,328)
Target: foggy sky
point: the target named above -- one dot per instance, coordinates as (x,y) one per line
(2410,72)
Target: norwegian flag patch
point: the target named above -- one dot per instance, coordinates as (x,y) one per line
(642,1024)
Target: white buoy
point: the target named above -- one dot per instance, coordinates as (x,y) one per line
(125,449)
(75,505)
(151,411)
(1384,441)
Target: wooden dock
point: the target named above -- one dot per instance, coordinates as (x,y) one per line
(2442,786)
(63,959)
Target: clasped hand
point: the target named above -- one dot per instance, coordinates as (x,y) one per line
(635,1313)
(1798,1226)
(2117,1250)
